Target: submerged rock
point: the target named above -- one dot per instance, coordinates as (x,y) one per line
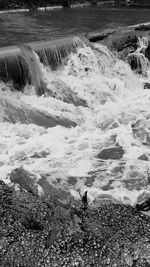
(111,153)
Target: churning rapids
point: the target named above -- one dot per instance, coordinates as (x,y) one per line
(100,132)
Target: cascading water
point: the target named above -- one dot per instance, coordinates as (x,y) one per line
(106,149)
(138,60)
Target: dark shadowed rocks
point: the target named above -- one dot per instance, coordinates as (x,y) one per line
(143,27)
(116,152)
(147,52)
(124,41)
(147,85)
(143,157)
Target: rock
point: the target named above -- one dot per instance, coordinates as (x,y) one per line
(143,27)
(142,51)
(145,206)
(147,51)
(98,36)
(123,41)
(143,157)
(111,153)
(24,179)
(147,85)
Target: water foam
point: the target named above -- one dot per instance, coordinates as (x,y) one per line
(117,115)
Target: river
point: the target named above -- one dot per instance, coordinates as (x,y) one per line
(31,26)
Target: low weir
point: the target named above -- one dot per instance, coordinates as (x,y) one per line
(17,68)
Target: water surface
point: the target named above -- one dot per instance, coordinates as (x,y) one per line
(32,26)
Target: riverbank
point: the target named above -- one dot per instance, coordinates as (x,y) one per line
(55,7)
(40,231)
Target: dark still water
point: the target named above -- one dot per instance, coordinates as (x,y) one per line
(26,27)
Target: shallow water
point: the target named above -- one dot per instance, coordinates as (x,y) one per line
(27,27)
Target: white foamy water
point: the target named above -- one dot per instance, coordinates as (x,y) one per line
(117,116)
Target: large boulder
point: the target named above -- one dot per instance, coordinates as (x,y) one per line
(111,153)
(124,41)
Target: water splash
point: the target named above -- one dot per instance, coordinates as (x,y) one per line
(143,41)
(107,153)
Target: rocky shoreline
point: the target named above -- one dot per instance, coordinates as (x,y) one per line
(40,231)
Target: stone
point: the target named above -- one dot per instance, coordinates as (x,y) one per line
(147,85)
(143,157)
(24,179)
(111,153)
(122,41)
(143,27)
(99,35)
(147,51)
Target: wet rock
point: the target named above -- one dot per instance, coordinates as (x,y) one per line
(147,85)
(147,51)
(72,180)
(111,153)
(140,131)
(24,179)
(98,36)
(143,157)
(145,206)
(122,41)
(134,183)
(143,27)
(66,94)
(89,181)
(142,51)
(108,186)
(14,113)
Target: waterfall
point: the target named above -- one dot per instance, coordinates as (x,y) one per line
(19,65)
(143,41)
(34,69)
(138,62)
(54,53)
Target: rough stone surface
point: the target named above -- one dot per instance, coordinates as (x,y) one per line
(147,52)
(36,231)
